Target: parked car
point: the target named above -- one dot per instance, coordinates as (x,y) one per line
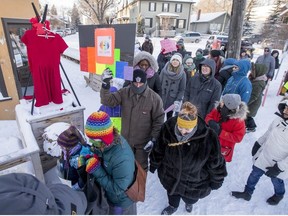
(222,38)
(189,37)
(256,38)
(61,32)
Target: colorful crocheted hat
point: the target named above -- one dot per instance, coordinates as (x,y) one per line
(99,126)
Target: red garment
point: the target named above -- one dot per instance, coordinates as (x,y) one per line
(233,131)
(44,59)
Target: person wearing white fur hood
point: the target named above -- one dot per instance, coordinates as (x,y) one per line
(146,62)
(270,157)
(227,119)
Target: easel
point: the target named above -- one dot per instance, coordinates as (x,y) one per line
(25,91)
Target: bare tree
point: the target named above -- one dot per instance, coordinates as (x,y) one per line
(209,6)
(95,10)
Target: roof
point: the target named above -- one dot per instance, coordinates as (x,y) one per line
(206,17)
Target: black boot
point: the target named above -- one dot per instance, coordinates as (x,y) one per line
(275,199)
(241,195)
(188,207)
(169,210)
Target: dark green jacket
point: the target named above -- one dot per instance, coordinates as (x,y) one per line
(116,172)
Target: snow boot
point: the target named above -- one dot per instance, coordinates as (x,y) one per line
(275,199)
(241,195)
(169,210)
(188,207)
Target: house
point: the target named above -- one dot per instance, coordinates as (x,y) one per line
(206,23)
(157,18)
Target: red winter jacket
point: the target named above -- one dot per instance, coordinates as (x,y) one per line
(233,131)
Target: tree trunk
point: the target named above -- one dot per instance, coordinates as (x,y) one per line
(235,28)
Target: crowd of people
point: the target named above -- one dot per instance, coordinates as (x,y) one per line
(182,116)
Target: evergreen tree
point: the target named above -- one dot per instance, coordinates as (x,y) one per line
(248,24)
(75,17)
(54,22)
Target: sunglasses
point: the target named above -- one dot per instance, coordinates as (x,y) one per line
(266,50)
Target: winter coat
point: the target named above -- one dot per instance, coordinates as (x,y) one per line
(226,71)
(277,64)
(274,148)
(189,70)
(188,169)
(232,130)
(147,46)
(203,92)
(239,83)
(258,86)
(269,61)
(116,173)
(162,59)
(197,61)
(173,85)
(142,118)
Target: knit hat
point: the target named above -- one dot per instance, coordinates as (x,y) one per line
(180,42)
(99,126)
(231,101)
(70,138)
(215,53)
(176,56)
(139,76)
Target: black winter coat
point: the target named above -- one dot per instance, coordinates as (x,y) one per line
(192,168)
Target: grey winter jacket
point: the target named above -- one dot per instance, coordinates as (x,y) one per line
(269,61)
(203,92)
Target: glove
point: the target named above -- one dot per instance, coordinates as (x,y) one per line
(215,126)
(106,77)
(92,164)
(255,148)
(215,186)
(273,172)
(177,106)
(149,146)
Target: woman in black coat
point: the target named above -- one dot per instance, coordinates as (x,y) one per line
(188,159)
(275,54)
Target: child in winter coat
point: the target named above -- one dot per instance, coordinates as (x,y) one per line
(227,120)
(173,82)
(270,156)
(198,59)
(258,79)
(189,67)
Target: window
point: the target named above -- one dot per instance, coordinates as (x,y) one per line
(148,22)
(178,8)
(152,6)
(165,7)
(181,23)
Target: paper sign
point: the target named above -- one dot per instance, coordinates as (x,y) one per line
(117,121)
(286,85)
(105,45)
(100,68)
(128,73)
(120,69)
(168,45)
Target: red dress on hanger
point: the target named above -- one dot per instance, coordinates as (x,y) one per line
(44,60)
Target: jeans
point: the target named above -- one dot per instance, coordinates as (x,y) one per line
(255,175)
(174,200)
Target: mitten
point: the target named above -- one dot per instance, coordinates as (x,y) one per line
(215,126)
(106,77)
(215,186)
(273,171)
(81,161)
(92,164)
(149,146)
(255,148)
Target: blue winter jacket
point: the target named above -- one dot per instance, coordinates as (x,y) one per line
(116,172)
(239,83)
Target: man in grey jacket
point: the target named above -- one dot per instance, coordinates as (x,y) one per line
(267,60)
(141,111)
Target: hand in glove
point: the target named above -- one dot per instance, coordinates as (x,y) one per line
(215,126)
(92,164)
(255,148)
(215,186)
(273,171)
(149,146)
(177,106)
(106,77)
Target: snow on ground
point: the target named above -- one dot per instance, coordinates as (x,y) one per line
(218,202)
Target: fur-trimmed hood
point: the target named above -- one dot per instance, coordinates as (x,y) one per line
(145,55)
(241,112)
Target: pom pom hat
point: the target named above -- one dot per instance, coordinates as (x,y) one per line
(99,126)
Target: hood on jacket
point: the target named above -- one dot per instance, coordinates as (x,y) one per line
(269,53)
(244,67)
(275,51)
(145,55)
(211,63)
(228,63)
(241,112)
(282,104)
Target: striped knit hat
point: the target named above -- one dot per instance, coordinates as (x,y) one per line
(99,126)
(70,138)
